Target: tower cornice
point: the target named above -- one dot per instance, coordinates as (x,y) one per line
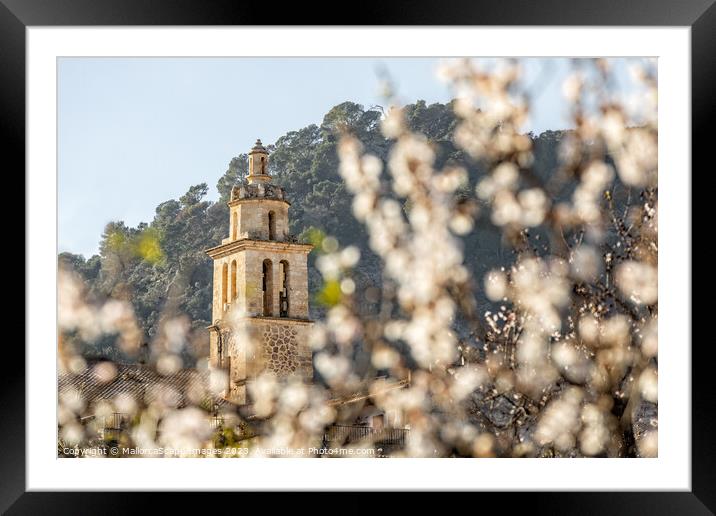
(245,200)
(265,318)
(219,325)
(244,244)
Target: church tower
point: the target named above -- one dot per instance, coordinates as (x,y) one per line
(260,307)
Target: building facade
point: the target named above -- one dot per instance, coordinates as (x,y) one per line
(260,309)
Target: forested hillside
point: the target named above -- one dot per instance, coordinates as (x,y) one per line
(161,267)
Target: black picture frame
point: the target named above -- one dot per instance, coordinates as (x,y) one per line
(700,15)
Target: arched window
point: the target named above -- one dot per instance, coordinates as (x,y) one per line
(224,285)
(263,165)
(283,289)
(219,348)
(234,287)
(267,288)
(272,225)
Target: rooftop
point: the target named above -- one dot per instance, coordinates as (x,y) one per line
(103,380)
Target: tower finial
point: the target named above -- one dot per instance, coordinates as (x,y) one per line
(258,146)
(258,163)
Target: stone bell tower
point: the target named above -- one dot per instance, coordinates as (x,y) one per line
(260,307)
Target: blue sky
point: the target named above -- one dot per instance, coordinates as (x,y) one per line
(134,132)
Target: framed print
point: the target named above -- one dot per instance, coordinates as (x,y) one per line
(422,254)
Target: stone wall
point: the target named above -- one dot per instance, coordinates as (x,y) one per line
(284,350)
(263,344)
(297,281)
(252,217)
(249,281)
(217,287)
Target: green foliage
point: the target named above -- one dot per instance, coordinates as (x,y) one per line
(330,294)
(148,246)
(161,267)
(313,236)
(238,168)
(226,437)
(87,269)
